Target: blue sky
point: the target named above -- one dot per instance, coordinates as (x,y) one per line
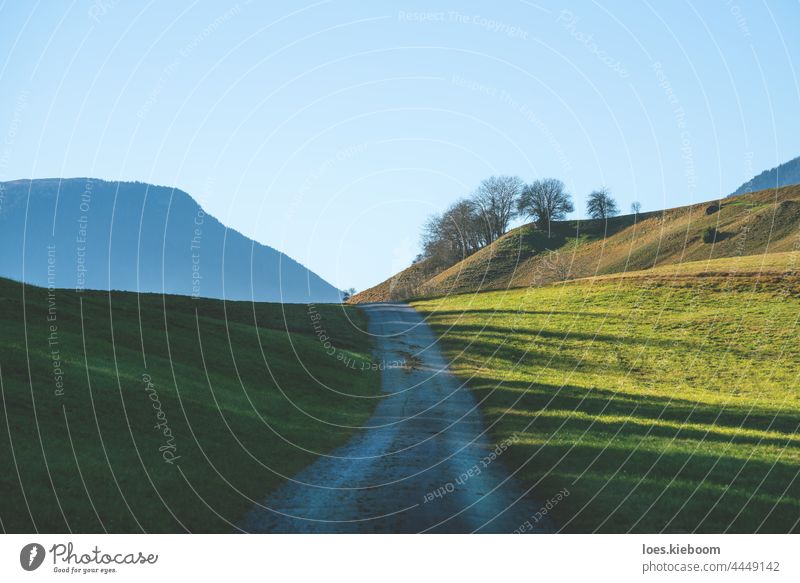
(330,130)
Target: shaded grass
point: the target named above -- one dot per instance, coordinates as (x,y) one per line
(660,407)
(249,392)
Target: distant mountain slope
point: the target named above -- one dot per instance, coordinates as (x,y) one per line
(760,222)
(783,175)
(84,233)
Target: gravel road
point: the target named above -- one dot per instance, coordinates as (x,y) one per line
(424,464)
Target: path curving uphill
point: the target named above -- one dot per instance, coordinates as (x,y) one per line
(420,465)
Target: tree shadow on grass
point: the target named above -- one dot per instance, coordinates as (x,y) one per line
(471,311)
(617,489)
(528,398)
(506,331)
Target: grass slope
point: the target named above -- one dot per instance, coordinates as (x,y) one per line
(756,223)
(660,406)
(248,393)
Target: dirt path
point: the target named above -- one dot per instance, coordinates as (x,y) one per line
(414,469)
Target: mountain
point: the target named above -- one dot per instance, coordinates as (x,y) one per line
(750,224)
(85,233)
(783,175)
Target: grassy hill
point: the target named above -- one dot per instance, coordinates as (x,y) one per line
(663,400)
(761,222)
(126,413)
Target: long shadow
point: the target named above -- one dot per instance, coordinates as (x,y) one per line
(617,489)
(487,349)
(597,401)
(646,425)
(704,468)
(470,311)
(470,329)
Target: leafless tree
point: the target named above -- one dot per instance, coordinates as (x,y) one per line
(496,199)
(470,224)
(600,204)
(455,234)
(545,201)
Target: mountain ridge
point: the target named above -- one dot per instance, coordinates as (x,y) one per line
(784,174)
(135,236)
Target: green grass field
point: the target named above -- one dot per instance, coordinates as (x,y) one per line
(165,415)
(660,406)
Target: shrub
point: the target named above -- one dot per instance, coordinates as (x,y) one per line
(709,235)
(710,210)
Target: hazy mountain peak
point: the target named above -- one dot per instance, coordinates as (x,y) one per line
(86,233)
(784,174)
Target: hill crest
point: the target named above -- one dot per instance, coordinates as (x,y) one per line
(759,222)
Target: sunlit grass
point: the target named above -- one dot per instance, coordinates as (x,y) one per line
(661,407)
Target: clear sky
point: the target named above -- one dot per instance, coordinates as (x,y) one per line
(330,130)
